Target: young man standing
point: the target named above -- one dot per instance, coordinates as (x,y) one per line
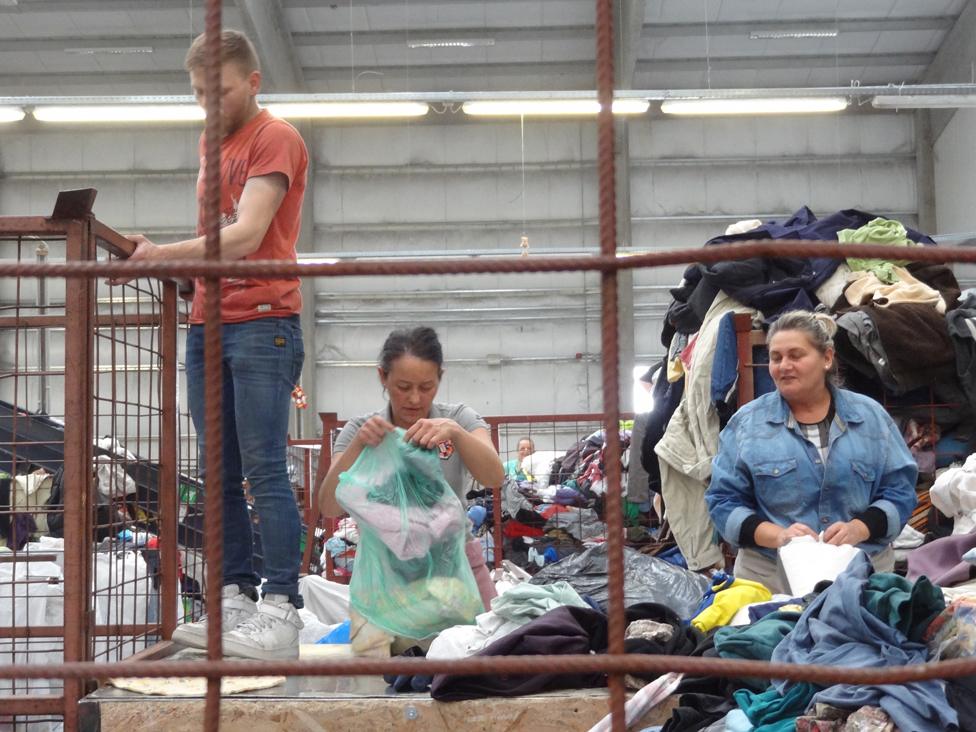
(263,173)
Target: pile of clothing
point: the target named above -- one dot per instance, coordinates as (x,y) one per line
(906,337)
(556,506)
(862,619)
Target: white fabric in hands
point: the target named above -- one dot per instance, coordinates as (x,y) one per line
(807,561)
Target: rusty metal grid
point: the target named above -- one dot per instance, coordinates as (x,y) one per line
(549,432)
(309,460)
(74,361)
(612,663)
(78,275)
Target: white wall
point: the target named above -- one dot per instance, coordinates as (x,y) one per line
(955,166)
(514,343)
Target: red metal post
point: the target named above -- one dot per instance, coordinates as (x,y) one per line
(496,506)
(78,389)
(743,343)
(168,482)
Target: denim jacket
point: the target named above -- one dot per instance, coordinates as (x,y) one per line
(765,466)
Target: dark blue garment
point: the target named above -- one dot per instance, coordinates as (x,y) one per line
(725,369)
(837,630)
(772,285)
(758,612)
(805,226)
(667,396)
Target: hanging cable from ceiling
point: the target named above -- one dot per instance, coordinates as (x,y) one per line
(524,243)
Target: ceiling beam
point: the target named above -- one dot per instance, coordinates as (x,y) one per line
(59,43)
(10,84)
(955,62)
(77,6)
(453,68)
(499,35)
(266,26)
(581,68)
(629,26)
(843,25)
(649,30)
(332,4)
(813,61)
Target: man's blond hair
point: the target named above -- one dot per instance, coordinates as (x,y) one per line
(235,47)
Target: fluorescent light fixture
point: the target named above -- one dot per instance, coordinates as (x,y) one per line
(110,50)
(777,105)
(923,101)
(120,113)
(348,110)
(452,43)
(550,107)
(11,114)
(777,35)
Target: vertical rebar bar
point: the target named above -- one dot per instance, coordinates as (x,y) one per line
(168,495)
(609,346)
(44,387)
(213,357)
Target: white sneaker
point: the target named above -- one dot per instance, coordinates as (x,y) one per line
(269,635)
(236,608)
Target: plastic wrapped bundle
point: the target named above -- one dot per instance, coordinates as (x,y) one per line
(412,576)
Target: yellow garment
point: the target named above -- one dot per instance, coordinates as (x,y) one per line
(727,603)
(676,370)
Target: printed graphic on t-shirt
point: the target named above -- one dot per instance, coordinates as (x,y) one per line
(226,219)
(445,449)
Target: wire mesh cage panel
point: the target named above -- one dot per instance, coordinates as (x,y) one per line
(88,567)
(530,483)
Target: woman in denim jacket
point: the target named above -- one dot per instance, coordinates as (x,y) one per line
(809,458)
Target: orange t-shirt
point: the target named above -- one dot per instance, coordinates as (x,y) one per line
(264,145)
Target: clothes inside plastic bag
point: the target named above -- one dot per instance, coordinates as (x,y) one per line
(646,579)
(412,575)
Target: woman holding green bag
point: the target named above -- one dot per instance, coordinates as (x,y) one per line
(401,473)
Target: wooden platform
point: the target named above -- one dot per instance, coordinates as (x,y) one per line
(349,704)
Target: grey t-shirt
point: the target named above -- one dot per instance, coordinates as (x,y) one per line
(455,472)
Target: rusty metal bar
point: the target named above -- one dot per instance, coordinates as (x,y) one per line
(56,631)
(168,489)
(745,390)
(329,422)
(78,383)
(509,665)
(272,269)
(61,321)
(112,241)
(496,507)
(32,226)
(606,168)
(212,359)
(496,421)
(16,705)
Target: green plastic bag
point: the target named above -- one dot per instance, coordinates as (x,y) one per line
(412,577)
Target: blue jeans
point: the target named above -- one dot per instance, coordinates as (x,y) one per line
(262,360)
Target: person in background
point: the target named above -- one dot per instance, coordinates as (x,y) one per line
(410,368)
(809,458)
(513,467)
(263,163)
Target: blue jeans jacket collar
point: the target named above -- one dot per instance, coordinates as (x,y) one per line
(778,410)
